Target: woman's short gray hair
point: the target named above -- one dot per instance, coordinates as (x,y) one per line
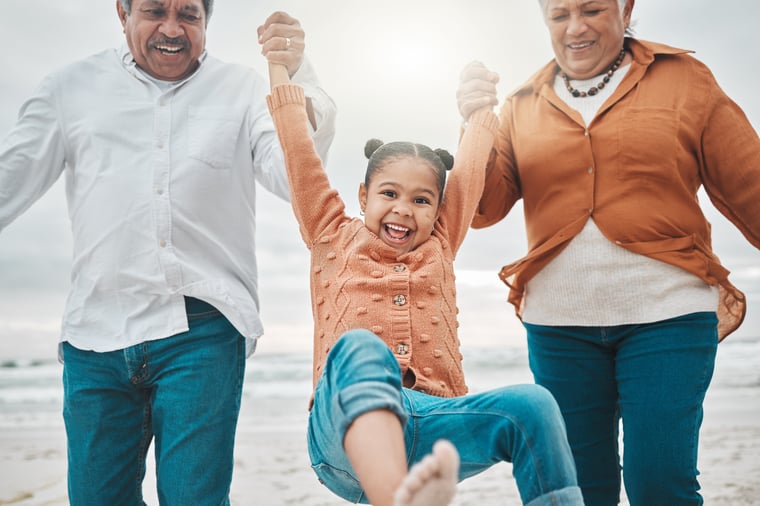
(628,29)
(207,4)
(621,2)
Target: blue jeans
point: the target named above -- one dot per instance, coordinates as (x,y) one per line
(653,376)
(519,424)
(184,390)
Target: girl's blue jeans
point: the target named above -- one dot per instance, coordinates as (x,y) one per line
(184,391)
(654,376)
(518,424)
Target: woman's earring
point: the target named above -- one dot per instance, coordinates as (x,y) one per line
(361,212)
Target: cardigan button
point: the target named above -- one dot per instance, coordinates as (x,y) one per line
(399,300)
(402,349)
(399,268)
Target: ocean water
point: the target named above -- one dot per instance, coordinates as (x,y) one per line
(31,391)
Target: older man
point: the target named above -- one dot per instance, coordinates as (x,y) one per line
(162,145)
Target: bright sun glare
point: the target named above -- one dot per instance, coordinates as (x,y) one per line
(414,48)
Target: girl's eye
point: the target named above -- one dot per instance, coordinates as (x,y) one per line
(421,200)
(388,193)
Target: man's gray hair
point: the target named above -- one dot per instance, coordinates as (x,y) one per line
(208,5)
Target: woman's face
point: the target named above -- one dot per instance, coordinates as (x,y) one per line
(586,34)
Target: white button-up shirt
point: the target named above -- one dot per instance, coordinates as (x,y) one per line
(160,184)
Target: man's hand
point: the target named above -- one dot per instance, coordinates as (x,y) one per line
(477,89)
(282,41)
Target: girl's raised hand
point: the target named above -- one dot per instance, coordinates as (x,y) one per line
(282,43)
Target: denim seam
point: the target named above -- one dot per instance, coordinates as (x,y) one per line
(529,442)
(142,451)
(205,314)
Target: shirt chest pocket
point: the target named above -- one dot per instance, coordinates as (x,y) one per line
(648,145)
(212,135)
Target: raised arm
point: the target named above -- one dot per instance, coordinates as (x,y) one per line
(316,205)
(477,89)
(283,42)
(465,184)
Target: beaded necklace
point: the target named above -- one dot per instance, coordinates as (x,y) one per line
(594,89)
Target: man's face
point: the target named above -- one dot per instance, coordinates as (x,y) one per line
(166,37)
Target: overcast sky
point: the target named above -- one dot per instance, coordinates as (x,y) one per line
(392,68)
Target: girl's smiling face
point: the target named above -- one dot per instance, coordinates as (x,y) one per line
(401,203)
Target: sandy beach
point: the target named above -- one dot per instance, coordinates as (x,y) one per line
(272,467)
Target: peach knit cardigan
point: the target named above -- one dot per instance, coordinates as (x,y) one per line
(357,281)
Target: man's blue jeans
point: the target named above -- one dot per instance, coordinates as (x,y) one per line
(519,424)
(653,376)
(184,390)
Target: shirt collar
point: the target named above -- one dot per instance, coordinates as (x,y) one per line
(644,53)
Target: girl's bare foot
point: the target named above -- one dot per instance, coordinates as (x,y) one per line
(431,481)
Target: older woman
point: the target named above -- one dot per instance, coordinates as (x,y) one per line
(622,297)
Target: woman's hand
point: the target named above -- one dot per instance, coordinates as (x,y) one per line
(477,89)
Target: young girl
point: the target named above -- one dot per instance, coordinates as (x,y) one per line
(387,367)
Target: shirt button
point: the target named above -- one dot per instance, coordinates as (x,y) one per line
(160,191)
(162,243)
(399,268)
(399,300)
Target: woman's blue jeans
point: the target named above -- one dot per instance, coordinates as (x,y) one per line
(184,391)
(519,424)
(654,376)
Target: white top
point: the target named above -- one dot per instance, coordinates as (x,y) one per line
(160,187)
(593,281)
